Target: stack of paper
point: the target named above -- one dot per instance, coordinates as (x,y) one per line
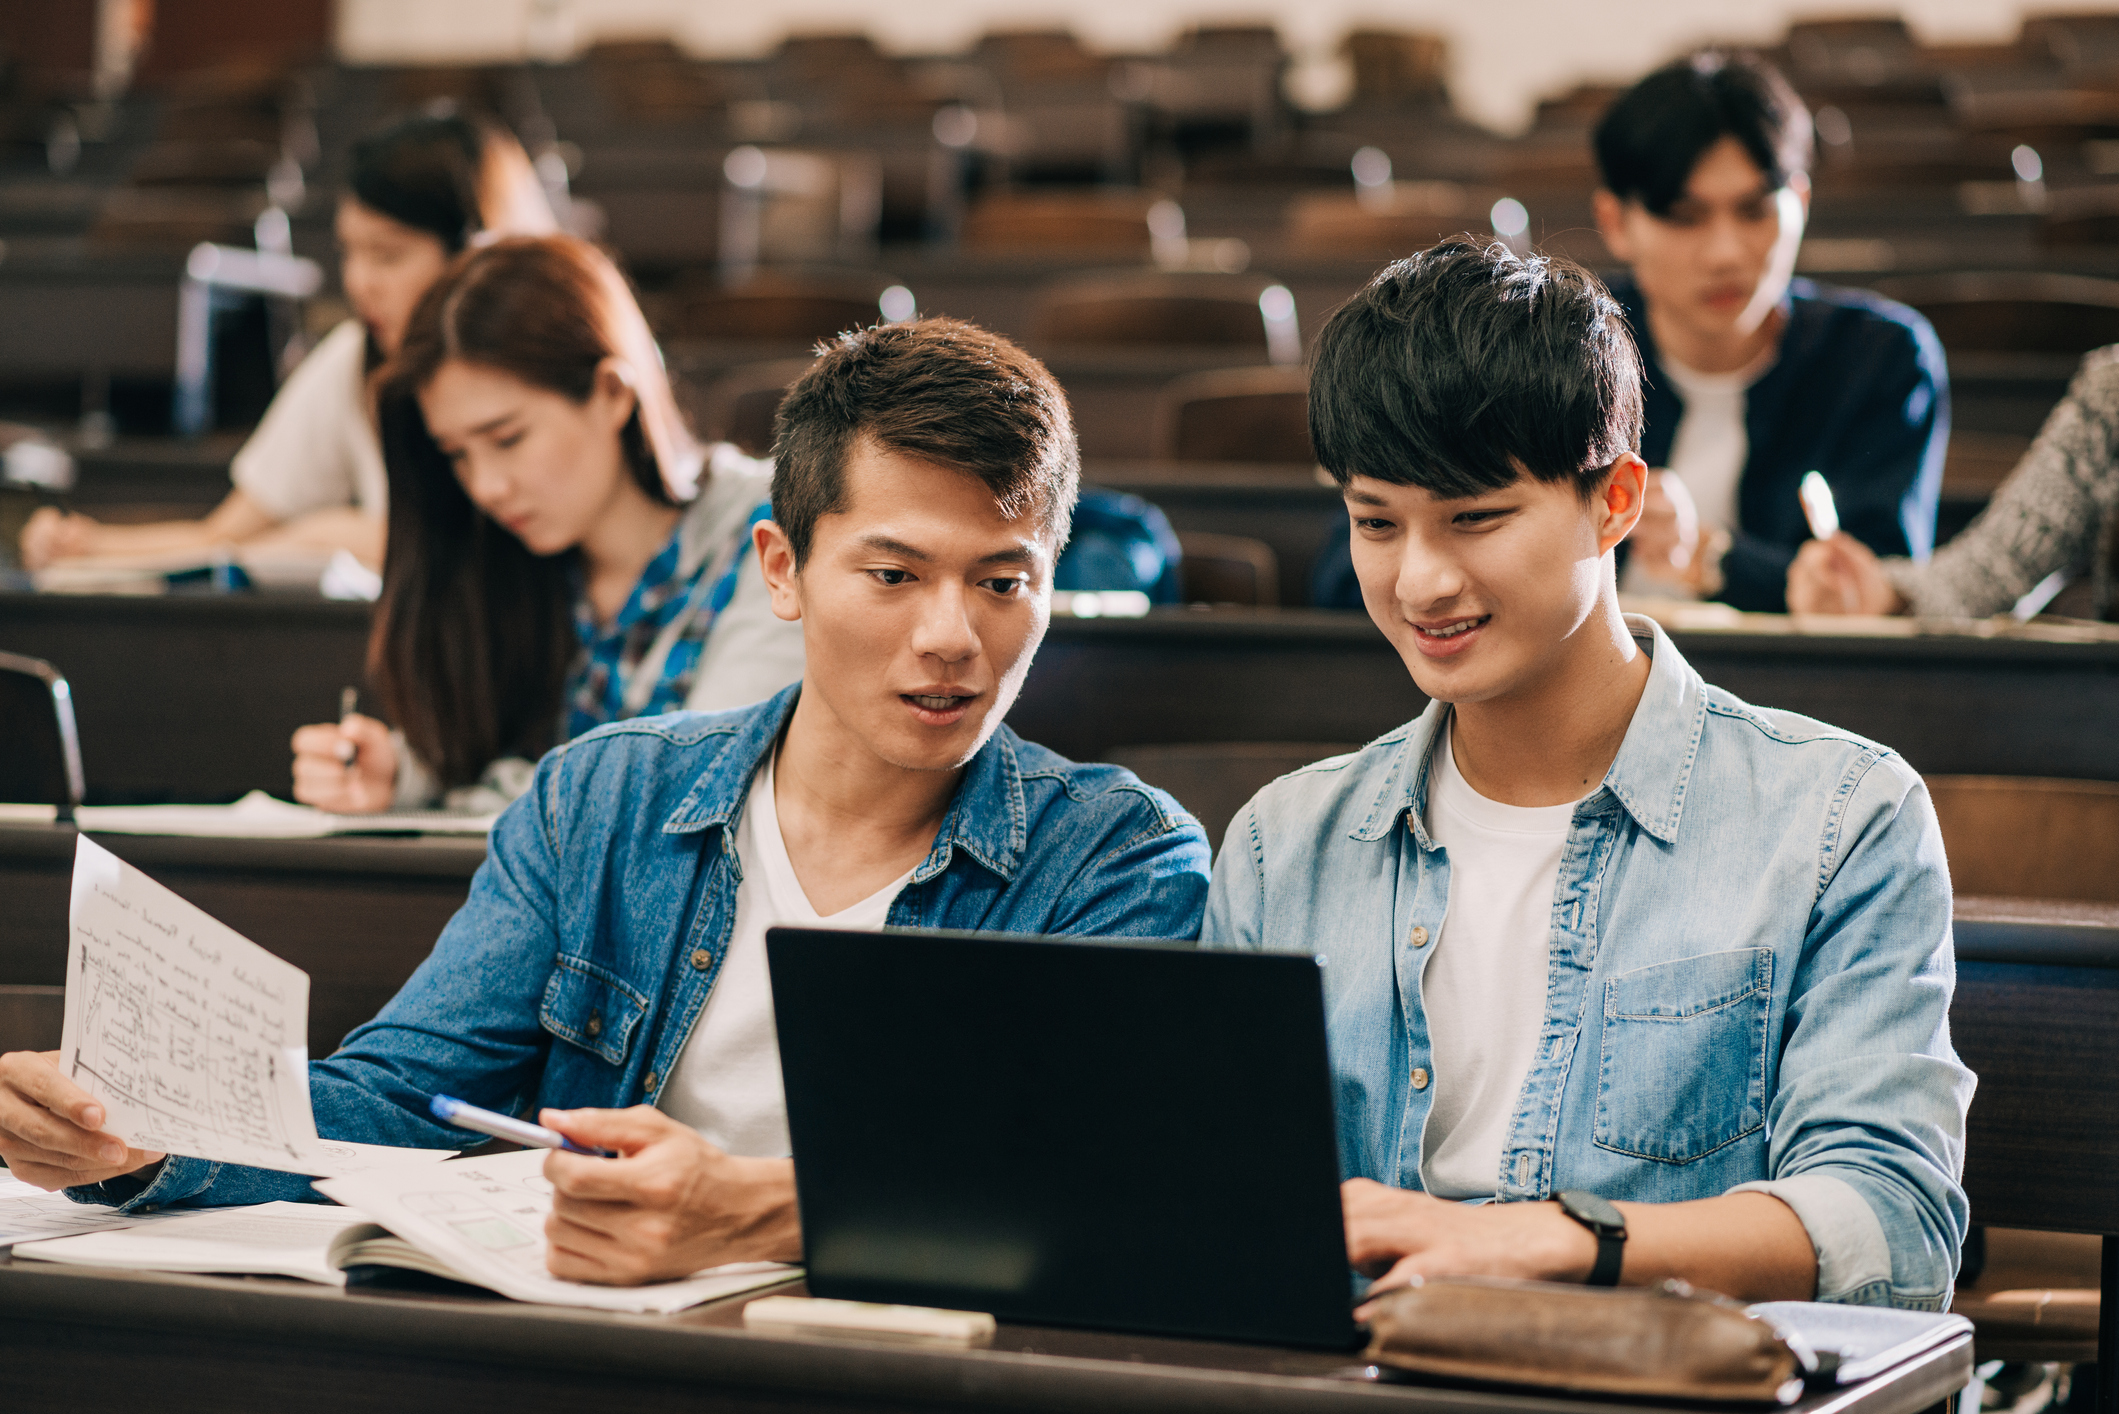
(258,816)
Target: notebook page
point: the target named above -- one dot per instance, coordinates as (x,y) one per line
(485,1218)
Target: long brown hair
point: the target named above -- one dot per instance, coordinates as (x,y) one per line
(474,635)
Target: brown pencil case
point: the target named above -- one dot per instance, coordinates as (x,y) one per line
(1660,1342)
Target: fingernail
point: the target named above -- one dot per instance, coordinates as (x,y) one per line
(93,1116)
(113,1152)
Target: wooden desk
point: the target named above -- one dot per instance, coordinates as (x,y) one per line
(356,914)
(194,698)
(1958,705)
(191,698)
(82,1339)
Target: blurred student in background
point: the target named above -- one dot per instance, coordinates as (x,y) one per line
(311,476)
(1754,377)
(1751,377)
(2057,512)
(562,553)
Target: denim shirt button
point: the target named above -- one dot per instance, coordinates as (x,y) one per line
(1419,1077)
(702,958)
(647,1083)
(595,1026)
(1419,938)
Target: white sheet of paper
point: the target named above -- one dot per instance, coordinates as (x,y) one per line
(192,1036)
(29,1214)
(485,1218)
(258,816)
(277,1239)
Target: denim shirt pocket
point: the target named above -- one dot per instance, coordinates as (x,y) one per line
(1684,1056)
(592,1008)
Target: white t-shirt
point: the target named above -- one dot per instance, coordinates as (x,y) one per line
(1484,988)
(726,1083)
(1709,451)
(316,446)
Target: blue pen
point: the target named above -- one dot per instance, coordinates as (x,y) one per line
(453,1111)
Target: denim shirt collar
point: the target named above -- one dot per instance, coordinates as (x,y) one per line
(1647,778)
(987,818)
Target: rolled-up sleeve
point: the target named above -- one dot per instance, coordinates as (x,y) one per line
(1871,1100)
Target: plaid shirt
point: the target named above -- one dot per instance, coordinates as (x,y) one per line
(610,657)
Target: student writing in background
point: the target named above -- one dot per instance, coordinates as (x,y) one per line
(1752,377)
(562,553)
(2055,513)
(612,952)
(1609,947)
(311,476)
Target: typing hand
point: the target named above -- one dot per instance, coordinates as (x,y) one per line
(1394,1235)
(349,766)
(1669,543)
(51,1131)
(52,534)
(1840,576)
(669,1205)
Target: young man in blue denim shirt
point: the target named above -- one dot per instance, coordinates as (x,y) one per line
(1593,930)
(612,950)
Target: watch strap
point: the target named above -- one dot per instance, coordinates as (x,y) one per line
(1611,1252)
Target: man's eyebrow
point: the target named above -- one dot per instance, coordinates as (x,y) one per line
(890,546)
(1366,498)
(1013,555)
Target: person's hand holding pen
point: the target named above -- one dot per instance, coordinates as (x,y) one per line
(668,1205)
(349,766)
(1834,573)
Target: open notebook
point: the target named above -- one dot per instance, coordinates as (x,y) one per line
(479,1221)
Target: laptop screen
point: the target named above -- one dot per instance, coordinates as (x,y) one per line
(1127,1135)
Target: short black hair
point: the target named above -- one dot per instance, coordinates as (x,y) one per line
(943,390)
(1650,140)
(1461,368)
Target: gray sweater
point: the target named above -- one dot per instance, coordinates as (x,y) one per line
(2051,514)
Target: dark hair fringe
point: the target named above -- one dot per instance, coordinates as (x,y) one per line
(1461,368)
(1650,140)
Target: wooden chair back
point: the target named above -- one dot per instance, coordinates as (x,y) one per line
(2029,837)
(1410,217)
(2014,311)
(31,1018)
(1170,310)
(1026,223)
(1235,415)
(773,305)
(739,405)
(1228,569)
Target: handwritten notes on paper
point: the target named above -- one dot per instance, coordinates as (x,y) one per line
(190,1034)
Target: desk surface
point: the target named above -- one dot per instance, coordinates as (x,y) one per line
(232,676)
(209,1341)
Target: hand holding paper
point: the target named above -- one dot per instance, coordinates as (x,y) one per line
(51,1131)
(185,1035)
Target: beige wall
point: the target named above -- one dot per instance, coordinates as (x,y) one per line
(1507,53)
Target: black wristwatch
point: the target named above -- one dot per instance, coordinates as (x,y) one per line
(1608,1225)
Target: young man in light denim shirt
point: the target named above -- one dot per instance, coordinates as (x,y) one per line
(1664,976)
(612,951)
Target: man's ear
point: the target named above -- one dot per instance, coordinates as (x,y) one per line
(1619,499)
(776,561)
(1611,225)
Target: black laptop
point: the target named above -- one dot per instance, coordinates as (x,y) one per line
(1136,1136)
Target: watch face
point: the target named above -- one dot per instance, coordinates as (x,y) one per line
(1589,1208)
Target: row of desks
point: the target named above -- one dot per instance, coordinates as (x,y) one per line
(194,698)
(87,1339)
